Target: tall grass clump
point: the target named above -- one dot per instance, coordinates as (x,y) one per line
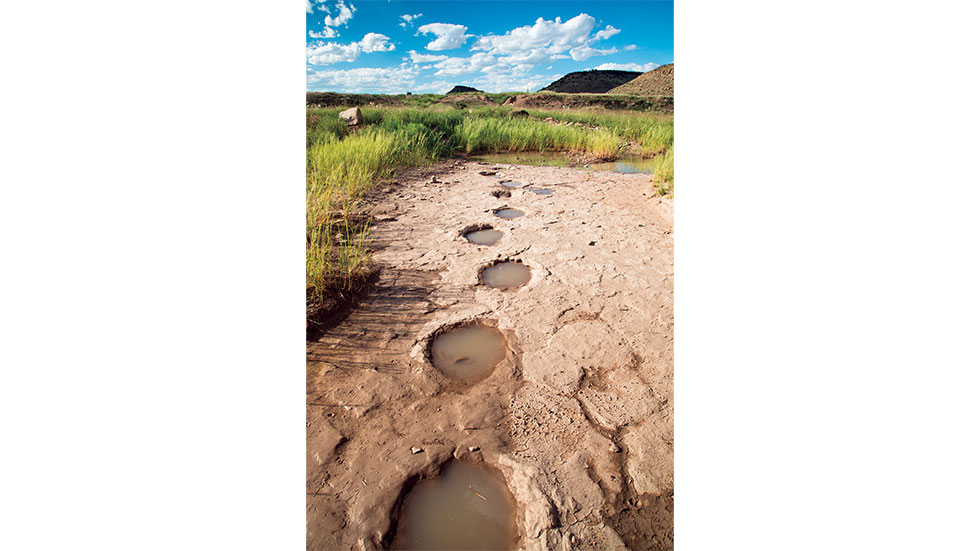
(339,171)
(657,138)
(322,123)
(663,172)
(653,131)
(498,134)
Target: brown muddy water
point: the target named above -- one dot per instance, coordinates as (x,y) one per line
(468,353)
(467,507)
(506,275)
(625,165)
(508,213)
(484,237)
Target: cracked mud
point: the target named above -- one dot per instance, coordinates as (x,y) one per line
(577,415)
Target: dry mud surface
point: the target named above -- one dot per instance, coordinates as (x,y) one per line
(578,416)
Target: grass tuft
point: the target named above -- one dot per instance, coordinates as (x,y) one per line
(663,172)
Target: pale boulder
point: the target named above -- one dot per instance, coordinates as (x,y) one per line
(352,116)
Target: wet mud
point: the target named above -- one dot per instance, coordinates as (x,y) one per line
(574,419)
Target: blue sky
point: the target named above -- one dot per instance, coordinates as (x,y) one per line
(391,47)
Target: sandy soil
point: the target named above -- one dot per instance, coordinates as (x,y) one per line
(578,417)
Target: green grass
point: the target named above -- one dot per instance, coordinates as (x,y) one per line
(654,132)
(343,164)
(500,134)
(663,172)
(339,171)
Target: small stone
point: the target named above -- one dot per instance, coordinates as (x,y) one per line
(591,243)
(474,448)
(613,447)
(416,450)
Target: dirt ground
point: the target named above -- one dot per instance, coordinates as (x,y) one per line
(578,417)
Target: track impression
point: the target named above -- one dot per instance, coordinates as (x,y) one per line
(569,396)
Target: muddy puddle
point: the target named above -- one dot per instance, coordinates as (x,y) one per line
(467,507)
(505,275)
(506,183)
(486,236)
(508,213)
(624,165)
(541,191)
(469,352)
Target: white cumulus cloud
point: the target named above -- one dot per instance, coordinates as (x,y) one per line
(380,80)
(454,66)
(581,53)
(344,14)
(407,19)
(627,67)
(425,58)
(448,35)
(607,32)
(554,36)
(511,82)
(327,33)
(374,42)
(333,52)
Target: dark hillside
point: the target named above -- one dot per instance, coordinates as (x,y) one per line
(459,89)
(594,82)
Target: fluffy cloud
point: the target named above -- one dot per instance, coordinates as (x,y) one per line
(549,40)
(581,53)
(511,82)
(327,33)
(344,14)
(495,62)
(407,19)
(424,58)
(553,36)
(448,35)
(629,48)
(528,46)
(607,32)
(455,66)
(374,42)
(333,52)
(384,80)
(627,67)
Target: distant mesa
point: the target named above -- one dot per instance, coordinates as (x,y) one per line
(658,82)
(594,82)
(459,89)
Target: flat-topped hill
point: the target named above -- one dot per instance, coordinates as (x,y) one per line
(594,82)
